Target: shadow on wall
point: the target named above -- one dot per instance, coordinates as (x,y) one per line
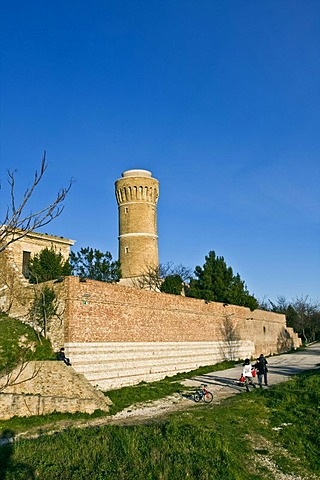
(284,342)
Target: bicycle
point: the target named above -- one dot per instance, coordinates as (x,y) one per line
(204,394)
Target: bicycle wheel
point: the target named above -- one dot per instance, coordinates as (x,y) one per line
(197,397)
(208,397)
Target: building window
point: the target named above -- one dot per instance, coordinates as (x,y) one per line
(264,329)
(126,209)
(25,263)
(126,249)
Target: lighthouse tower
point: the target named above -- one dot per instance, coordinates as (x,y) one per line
(137,195)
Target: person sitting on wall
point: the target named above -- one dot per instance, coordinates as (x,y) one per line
(61,357)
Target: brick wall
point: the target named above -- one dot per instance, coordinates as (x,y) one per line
(96,311)
(118,335)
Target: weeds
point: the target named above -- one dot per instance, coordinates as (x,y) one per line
(18,339)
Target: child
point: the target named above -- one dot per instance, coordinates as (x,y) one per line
(247,373)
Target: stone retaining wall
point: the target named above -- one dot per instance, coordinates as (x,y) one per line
(47,387)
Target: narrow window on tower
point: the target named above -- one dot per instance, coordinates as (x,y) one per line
(126,249)
(126,210)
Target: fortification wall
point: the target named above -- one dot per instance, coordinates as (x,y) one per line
(100,312)
(118,335)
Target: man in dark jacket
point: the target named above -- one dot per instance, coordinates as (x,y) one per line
(262,370)
(61,356)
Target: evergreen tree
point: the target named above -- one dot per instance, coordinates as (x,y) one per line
(48,265)
(215,281)
(96,265)
(172,284)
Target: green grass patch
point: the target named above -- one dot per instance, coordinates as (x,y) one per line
(42,423)
(19,340)
(223,442)
(143,392)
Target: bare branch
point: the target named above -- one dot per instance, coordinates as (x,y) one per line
(154,275)
(18,222)
(151,279)
(13,377)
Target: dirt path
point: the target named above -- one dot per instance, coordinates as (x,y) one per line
(222,384)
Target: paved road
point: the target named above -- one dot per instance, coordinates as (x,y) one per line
(226,382)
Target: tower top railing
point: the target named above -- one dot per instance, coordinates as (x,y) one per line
(136,173)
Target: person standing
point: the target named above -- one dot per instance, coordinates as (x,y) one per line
(247,373)
(262,370)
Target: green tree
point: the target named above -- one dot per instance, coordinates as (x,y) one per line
(215,281)
(44,308)
(96,265)
(172,284)
(48,265)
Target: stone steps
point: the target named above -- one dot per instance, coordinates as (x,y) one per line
(115,364)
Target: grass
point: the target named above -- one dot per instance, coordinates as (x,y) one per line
(19,340)
(144,392)
(224,442)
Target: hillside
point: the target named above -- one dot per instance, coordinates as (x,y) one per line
(19,341)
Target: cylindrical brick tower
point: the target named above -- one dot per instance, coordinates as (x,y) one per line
(137,195)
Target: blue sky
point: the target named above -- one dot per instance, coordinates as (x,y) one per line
(220,100)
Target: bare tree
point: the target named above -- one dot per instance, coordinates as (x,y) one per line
(230,335)
(279,306)
(10,378)
(303,314)
(151,279)
(18,221)
(153,276)
(15,370)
